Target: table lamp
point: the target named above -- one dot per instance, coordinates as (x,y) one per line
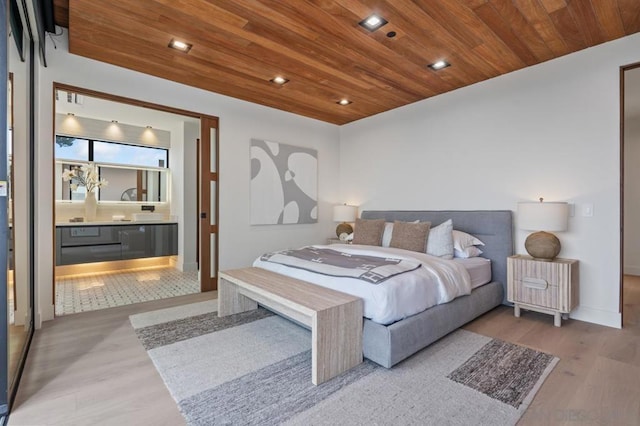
(543,217)
(344,214)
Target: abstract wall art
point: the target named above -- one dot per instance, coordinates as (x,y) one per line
(284,184)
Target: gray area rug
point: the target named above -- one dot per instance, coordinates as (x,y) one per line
(254,368)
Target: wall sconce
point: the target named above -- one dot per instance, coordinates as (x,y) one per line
(543,217)
(344,214)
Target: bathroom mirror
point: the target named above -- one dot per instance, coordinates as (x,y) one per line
(124,184)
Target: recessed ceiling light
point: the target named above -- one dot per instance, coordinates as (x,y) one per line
(279,80)
(373,22)
(180,45)
(439,65)
(344,102)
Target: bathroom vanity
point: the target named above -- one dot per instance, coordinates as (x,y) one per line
(87,242)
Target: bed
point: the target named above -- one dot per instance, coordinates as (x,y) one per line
(387,340)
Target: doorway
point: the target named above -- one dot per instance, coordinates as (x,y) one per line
(630,195)
(137,242)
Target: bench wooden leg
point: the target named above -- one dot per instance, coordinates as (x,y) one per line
(230,301)
(336,341)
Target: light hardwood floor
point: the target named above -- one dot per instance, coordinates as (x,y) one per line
(597,380)
(89,369)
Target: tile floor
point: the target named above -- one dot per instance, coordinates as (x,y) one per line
(89,292)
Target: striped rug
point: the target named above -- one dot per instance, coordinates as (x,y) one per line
(254,368)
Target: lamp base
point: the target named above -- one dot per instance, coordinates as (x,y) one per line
(343,228)
(542,245)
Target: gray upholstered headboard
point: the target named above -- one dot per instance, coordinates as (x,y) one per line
(493,227)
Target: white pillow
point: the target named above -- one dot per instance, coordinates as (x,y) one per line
(462,240)
(471,251)
(440,240)
(386,235)
(388,232)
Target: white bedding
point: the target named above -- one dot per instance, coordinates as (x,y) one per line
(479,270)
(436,281)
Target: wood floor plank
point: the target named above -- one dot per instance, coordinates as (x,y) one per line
(589,385)
(89,368)
(609,396)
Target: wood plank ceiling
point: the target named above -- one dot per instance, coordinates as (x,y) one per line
(240,45)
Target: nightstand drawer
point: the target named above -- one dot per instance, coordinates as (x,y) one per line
(536,291)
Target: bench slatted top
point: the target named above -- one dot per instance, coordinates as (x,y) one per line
(311,296)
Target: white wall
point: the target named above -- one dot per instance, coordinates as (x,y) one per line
(551,131)
(239,122)
(632,173)
(21,181)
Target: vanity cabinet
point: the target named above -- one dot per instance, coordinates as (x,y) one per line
(84,243)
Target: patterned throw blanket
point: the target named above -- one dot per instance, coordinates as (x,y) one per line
(337,264)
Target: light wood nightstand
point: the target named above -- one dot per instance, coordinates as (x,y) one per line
(336,241)
(551,287)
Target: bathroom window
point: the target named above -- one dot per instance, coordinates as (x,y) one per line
(70,148)
(133,172)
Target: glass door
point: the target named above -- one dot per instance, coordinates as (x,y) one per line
(16,196)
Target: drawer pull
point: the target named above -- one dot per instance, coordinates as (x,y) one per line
(536,283)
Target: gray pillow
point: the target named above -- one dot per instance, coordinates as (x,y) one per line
(368,232)
(410,236)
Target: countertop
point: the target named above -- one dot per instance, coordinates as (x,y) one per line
(115,223)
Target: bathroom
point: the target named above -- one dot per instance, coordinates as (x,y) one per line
(126,199)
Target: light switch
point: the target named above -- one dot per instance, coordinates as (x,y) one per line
(587,210)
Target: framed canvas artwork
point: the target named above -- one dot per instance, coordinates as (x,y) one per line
(284,184)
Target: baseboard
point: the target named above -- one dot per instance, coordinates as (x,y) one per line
(189,267)
(44,313)
(632,270)
(598,316)
(37,320)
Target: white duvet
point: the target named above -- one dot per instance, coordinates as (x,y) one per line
(436,281)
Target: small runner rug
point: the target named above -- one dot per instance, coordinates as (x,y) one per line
(254,368)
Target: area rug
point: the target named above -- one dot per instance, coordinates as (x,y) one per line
(254,368)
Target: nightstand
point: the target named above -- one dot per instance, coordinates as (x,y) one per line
(547,286)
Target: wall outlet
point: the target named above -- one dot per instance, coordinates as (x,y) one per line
(587,210)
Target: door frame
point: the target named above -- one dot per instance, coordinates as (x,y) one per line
(623,69)
(205,284)
(208,278)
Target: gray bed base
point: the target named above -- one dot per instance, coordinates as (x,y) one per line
(387,345)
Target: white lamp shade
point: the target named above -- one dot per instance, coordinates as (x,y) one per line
(345,213)
(543,216)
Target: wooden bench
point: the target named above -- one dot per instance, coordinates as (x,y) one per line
(335,318)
